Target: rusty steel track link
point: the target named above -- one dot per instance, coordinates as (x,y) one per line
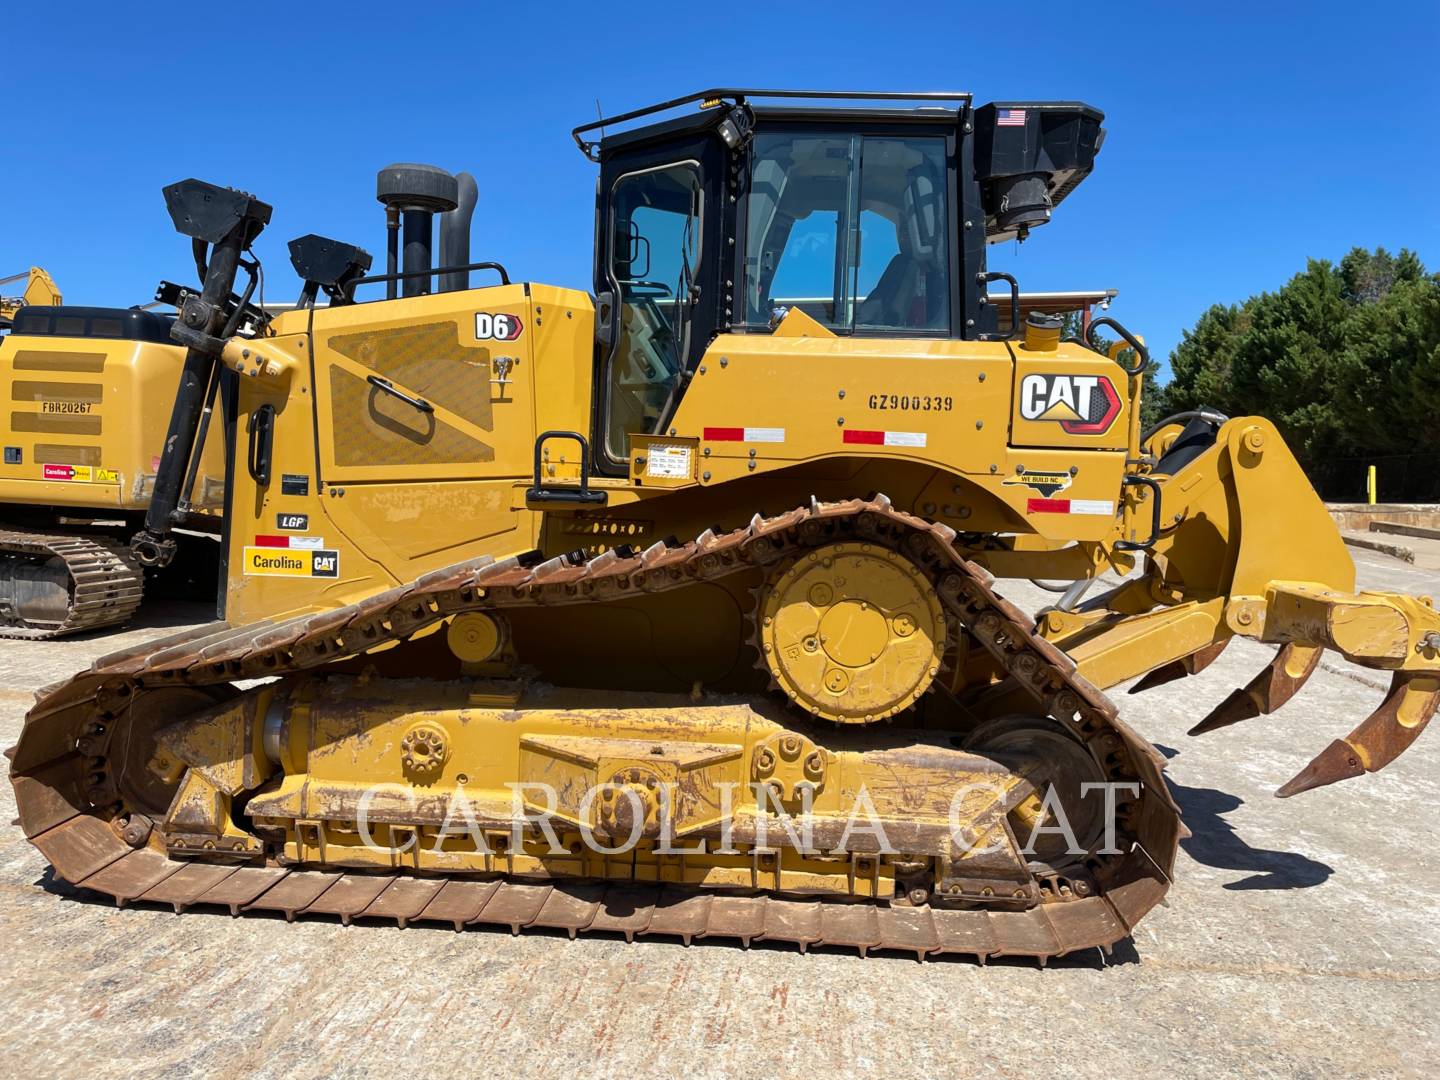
(71,810)
(106,583)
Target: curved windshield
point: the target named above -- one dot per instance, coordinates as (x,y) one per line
(655,248)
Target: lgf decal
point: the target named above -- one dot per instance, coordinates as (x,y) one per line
(497,327)
(1080,404)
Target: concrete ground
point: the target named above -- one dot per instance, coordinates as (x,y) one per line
(1423,551)
(1301,938)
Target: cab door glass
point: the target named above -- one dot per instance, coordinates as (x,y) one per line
(654,255)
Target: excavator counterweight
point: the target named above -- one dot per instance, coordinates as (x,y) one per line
(89,391)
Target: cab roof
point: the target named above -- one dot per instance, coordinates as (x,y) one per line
(925,105)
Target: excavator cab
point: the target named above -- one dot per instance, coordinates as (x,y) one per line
(871,221)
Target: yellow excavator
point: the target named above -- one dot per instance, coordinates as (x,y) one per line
(669,609)
(40,288)
(87,394)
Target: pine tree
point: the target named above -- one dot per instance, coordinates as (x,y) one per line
(1344,359)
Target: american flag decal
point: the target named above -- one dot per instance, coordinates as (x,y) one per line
(1010,118)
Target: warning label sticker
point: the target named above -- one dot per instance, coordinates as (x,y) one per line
(287,562)
(669,462)
(80,474)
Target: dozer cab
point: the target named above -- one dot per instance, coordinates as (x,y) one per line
(88,394)
(669,609)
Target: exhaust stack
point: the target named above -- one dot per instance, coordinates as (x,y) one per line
(455,235)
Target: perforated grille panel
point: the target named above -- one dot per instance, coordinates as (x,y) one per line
(432,361)
(376,428)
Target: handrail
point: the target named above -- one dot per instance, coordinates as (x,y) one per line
(352,285)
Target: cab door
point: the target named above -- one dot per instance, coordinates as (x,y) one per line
(661,222)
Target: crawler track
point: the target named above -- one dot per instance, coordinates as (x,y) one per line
(106,583)
(71,809)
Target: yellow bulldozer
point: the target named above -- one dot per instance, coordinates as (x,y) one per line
(669,609)
(87,394)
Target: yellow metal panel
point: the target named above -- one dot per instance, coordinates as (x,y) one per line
(810,397)
(759,403)
(292,505)
(417,527)
(563,347)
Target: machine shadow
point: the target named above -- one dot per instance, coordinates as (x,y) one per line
(1215,842)
(160,615)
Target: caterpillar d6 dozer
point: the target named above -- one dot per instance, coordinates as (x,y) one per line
(670,610)
(88,393)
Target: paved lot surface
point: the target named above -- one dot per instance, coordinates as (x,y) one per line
(1426,549)
(1302,937)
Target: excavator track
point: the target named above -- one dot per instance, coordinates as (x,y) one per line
(71,810)
(104,582)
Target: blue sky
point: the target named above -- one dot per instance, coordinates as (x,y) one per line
(1242,137)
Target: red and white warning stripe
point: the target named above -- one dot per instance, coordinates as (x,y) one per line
(883,438)
(745,434)
(305,542)
(1070,506)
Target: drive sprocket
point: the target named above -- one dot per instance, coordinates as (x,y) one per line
(853,632)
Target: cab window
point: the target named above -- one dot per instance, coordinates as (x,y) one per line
(852,229)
